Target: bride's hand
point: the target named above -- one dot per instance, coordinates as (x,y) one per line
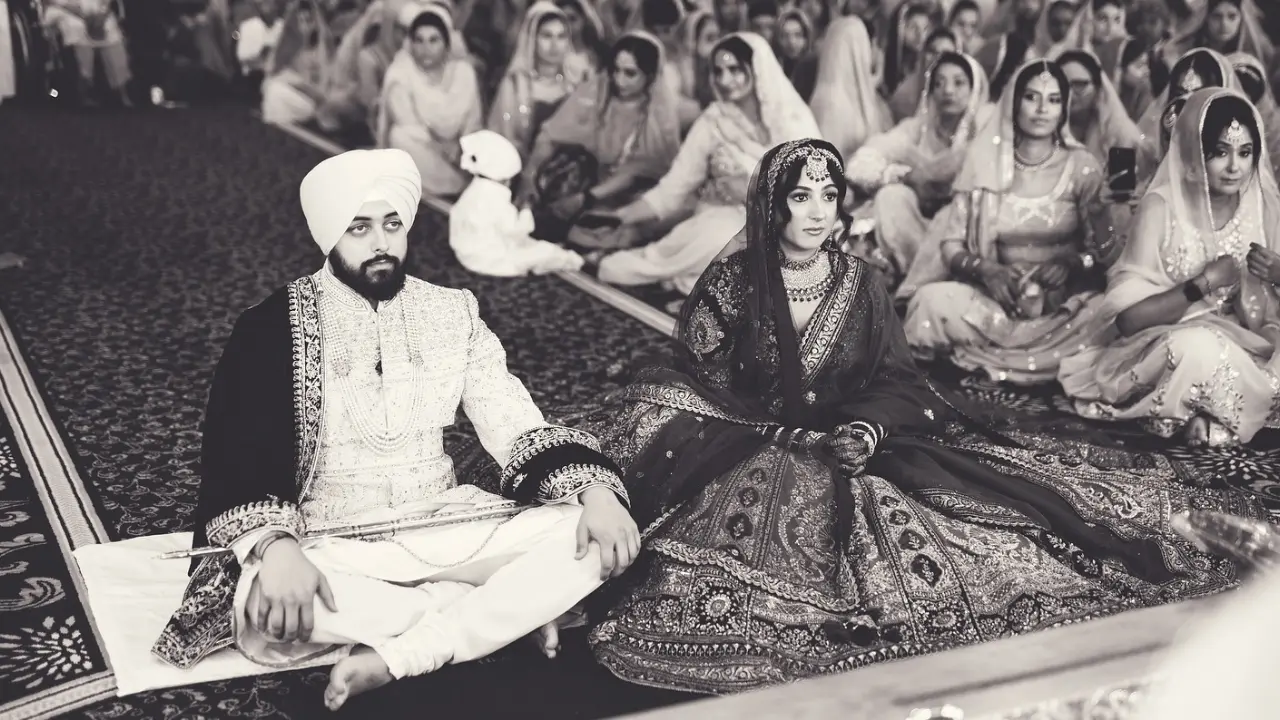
(851,451)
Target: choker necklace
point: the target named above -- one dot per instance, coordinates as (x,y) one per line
(1021,164)
(807,280)
(800,265)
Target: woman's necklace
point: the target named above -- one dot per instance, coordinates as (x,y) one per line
(1022,164)
(807,280)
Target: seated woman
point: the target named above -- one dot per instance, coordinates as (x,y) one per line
(1195,69)
(1020,253)
(804,512)
(612,138)
(846,104)
(298,70)
(1097,116)
(910,93)
(1251,75)
(910,169)
(1225,26)
(966,21)
(351,98)
(793,43)
(1061,27)
(1132,78)
(699,34)
(755,107)
(1197,321)
(429,101)
(538,78)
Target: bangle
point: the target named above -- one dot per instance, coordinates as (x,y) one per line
(1192,292)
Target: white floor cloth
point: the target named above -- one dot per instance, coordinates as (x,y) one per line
(132,595)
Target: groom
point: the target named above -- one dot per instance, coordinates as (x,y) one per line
(327,409)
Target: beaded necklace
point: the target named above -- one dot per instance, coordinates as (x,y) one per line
(807,280)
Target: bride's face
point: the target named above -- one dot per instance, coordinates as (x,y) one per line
(813,205)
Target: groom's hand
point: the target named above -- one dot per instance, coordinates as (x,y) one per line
(607,526)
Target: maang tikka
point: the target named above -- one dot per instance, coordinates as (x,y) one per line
(815,166)
(1236,133)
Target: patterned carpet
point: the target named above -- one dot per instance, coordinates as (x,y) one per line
(144,238)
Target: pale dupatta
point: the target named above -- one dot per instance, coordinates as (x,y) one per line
(1111,126)
(442,110)
(292,46)
(647,150)
(988,173)
(344,79)
(512,109)
(1181,181)
(1046,48)
(906,143)
(1252,38)
(1266,105)
(845,102)
(782,113)
(1180,84)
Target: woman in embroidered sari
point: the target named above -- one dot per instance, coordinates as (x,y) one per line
(755,107)
(805,512)
(613,138)
(794,45)
(429,101)
(1252,77)
(542,72)
(906,100)
(1197,319)
(845,101)
(910,169)
(298,71)
(1021,254)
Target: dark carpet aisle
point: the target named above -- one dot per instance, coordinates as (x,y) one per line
(145,235)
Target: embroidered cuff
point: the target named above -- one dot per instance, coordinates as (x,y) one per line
(228,527)
(552,463)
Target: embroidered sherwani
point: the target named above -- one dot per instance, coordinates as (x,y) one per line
(326,411)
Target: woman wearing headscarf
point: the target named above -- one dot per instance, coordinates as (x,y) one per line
(1193,349)
(542,72)
(1225,26)
(966,20)
(350,98)
(1097,116)
(906,100)
(429,101)
(298,70)
(699,34)
(794,45)
(904,42)
(845,102)
(1012,42)
(910,169)
(586,30)
(1196,69)
(805,508)
(1251,74)
(1063,26)
(755,108)
(613,138)
(1132,78)
(1023,251)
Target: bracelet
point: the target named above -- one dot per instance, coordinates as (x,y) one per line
(1192,292)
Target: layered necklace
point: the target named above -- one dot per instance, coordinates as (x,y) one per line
(1022,164)
(807,280)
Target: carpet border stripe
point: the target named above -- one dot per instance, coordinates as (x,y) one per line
(72,516)
(609,295)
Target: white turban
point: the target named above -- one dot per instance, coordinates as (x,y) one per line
(334,190)
(409,13)
(489,155)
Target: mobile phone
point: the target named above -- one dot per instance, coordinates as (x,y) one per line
(1122,171)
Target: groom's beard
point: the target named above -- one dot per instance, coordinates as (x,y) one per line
(375,282)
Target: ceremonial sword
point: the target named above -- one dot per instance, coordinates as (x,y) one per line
(491,511)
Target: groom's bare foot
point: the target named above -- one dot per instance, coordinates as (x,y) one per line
(361,671)
(1197,430)
(547,639)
